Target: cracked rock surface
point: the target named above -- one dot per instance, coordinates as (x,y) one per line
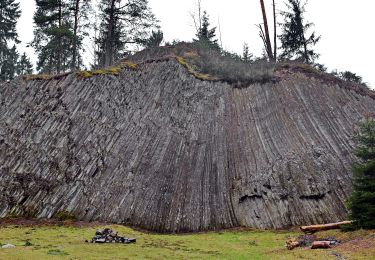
(158,149)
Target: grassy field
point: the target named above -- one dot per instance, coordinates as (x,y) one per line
(68,242)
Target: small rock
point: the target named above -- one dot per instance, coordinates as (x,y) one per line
(132,240)
(99,232)
(99,240)
(8,246)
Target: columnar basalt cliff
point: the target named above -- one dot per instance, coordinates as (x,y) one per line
(159,149)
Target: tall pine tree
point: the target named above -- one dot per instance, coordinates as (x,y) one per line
(362,201)
(53,36)
(9,66)
(80,12)
(295,41)
(9,14)
(125,24)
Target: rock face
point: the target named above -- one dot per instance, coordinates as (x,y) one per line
(158,149)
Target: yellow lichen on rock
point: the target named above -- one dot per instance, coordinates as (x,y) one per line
(192,71)
(37,77)
(115,70)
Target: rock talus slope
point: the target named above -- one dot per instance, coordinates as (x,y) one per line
(158,149)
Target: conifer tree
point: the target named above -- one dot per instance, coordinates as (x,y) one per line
(125,24)
(247,56)
(155,39)
(351,77)
(205,33)
(9,14)
(53,36)
(362,201)
(80,10)
(24,66)
(9,66)
(295,41)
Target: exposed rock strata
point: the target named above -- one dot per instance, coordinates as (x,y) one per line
(159,149)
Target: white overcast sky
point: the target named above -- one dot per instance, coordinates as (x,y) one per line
(346,27)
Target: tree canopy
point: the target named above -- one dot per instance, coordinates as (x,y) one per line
(9,14)
(295,40)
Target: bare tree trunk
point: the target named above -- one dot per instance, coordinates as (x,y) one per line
(275,32)
(200,14)
(58,68)
(197,21)
(220,38)
(307,60)
(268,41)
(315,228)
(262,36)
(75,29)
(108,53)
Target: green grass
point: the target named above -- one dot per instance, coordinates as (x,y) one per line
(54,242)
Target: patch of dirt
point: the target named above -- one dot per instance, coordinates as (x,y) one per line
(358,244)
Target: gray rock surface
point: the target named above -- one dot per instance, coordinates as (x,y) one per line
(158,149)
(8,246)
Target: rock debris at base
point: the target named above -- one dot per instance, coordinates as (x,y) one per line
(110,236)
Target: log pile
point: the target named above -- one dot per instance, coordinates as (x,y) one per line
(309,240)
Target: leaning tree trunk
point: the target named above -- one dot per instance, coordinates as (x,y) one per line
(275,32)
(268,41)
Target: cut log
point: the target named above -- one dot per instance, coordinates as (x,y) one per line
(292,244)
(315,228)
(321,244)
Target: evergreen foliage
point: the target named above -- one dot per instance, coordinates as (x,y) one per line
(9,14)
(247,56)
(205,33)
(24,65)
(125,24)
(58,34)
(362,201)
(53,36)
(351,77)
(80,10)
(295,41)
(9,65)
(155,39)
